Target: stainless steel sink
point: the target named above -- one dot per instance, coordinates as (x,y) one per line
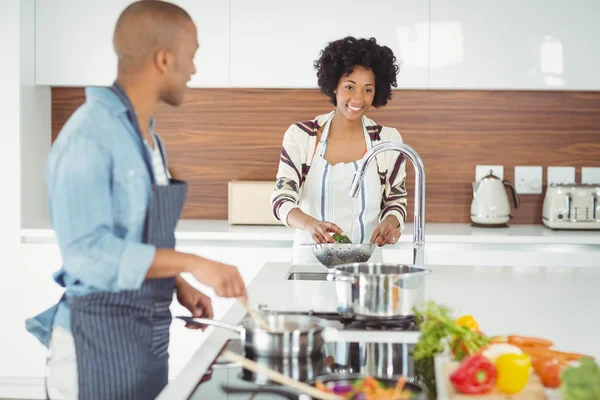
(307,276)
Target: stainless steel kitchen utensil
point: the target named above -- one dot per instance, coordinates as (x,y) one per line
(411,154)
(332,254)
(379,290)
(288,335)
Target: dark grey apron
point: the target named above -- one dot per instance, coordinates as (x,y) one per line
(122,339)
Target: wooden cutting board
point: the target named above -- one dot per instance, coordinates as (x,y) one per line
(534,390)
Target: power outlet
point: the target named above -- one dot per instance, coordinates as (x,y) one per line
(561,175)
(482,171)
(590,176)
(528,180)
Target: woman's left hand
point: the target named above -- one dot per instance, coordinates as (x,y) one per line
(387,232)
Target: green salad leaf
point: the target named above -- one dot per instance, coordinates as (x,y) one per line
(581,382)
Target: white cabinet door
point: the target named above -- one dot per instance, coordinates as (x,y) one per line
(212,58)
(74,41)
(535,45)
(33,291)
(274,43)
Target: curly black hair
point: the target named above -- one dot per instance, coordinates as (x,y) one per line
(340,57)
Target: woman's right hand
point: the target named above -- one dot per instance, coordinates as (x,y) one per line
(321,230)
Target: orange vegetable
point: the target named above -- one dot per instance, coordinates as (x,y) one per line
(561,356)
(529,341)
(548,369)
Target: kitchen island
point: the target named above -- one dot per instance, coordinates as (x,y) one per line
(559,304)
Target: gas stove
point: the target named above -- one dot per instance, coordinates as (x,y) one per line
(378,347)
(357,328)
(368,358)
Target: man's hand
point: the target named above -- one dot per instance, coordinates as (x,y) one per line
(224,279)
(387,232)
(195,301)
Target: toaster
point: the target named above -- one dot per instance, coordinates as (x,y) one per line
(571,206)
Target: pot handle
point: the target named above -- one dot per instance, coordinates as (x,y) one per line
(283,392)
(514,192)
(338,276)
(211,322)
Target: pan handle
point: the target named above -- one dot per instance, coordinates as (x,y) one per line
(211,322)
(283,392)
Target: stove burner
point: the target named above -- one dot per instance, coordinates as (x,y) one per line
(362,322)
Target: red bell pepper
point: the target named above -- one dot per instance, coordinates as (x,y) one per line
(475,375)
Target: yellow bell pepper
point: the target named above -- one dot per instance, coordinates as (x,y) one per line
(468,321)
(513,372)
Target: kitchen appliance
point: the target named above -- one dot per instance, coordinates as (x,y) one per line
(379,290)
(572,206)
(368,346)
(490,205)
(249,203)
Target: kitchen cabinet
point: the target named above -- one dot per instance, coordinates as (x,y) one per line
(531,45)
(74,41)
(274,43)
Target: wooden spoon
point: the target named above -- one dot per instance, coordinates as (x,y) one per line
(279,378)
(255,314)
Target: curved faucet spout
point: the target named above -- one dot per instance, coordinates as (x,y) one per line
(419,220)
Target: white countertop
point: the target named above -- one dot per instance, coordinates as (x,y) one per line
(559,304)
(220,230)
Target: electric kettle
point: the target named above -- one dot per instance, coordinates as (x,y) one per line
(490,205)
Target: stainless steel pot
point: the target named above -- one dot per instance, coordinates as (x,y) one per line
(288,335)
(378,289)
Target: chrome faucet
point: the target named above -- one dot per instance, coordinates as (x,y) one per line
(419,222)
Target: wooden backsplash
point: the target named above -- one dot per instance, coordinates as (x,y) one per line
(223,134)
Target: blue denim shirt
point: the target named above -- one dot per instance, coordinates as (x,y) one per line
(99,189)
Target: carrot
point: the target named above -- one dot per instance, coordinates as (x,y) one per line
(561,356)
(400,384)
(529,341)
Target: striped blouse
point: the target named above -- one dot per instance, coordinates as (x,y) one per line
(297,152)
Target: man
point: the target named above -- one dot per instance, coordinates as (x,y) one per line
(114,209)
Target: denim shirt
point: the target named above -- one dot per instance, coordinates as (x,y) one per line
(99,188)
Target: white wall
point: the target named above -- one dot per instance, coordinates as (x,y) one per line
(10,291)
(36,125)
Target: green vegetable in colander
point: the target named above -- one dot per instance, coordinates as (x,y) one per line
(341,238)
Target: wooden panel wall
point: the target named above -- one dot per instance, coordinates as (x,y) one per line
(223,134)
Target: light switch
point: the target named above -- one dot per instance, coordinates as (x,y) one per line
(528,180)
(590,176)
(482,171)
(561,175)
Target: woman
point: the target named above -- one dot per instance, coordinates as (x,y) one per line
(319,157)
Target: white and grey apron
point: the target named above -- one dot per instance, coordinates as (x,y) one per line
(326,197)
(122,339)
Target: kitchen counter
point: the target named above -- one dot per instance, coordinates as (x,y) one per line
(220,231)
(554,303)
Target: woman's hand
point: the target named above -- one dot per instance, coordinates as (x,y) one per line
(321,231)
(387,232)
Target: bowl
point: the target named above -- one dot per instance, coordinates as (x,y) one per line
(332,254)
